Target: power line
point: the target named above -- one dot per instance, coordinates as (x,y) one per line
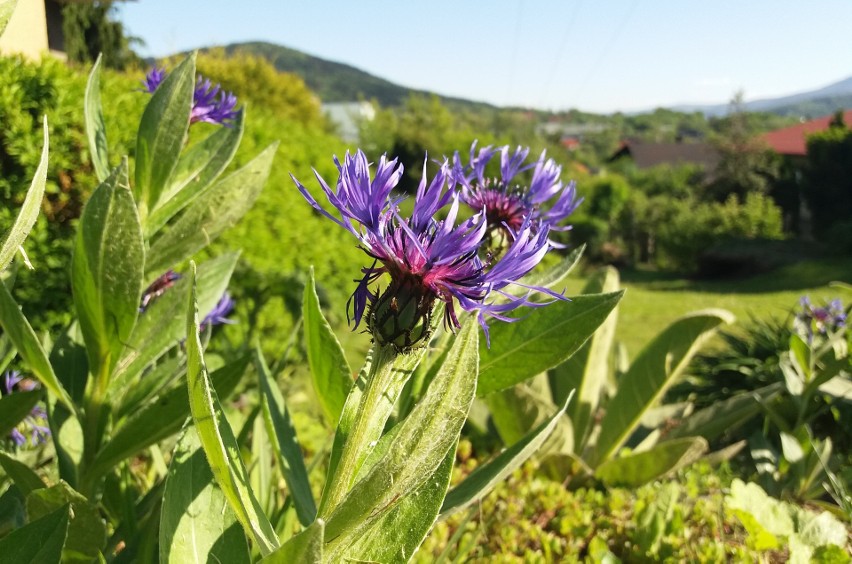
(605,51)
(511,75)
(560,51)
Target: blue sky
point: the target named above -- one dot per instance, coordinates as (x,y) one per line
(596,55)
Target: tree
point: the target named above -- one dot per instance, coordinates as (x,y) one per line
(828,178)
(90,30)
(745,165)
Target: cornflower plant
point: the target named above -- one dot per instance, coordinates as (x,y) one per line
(812,320)
(113,379)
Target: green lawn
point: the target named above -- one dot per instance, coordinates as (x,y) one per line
(653,300)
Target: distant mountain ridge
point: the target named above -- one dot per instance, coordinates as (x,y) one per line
(812,103)
(339,82)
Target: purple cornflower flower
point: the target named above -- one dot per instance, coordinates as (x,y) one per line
(813,320)
(158,287)
(427,259)
(210,103)
(220,312)
(35,422)
(507,203)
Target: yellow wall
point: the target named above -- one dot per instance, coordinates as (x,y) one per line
(27,30)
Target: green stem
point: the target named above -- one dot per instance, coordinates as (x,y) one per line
(93,426)
(358,435)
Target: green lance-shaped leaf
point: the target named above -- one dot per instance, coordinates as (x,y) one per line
(217,438)
(640,468)
(195,172)
(519,409)
(106,271)
(330,373)
(29,348)
(486,477)
(838,387)
(654,370)
(368,406)
(162,131)
(14,407)
(587,371)
(546,338)
(158,329)
(86,531)
(29,211)
(552,277)
(282,435)
(7,7)
(24,477)
(304,548)
(161,418)
(95,126)
(420,446)
(196,522)
(39,541)
(398,533)
(714,420)
(209,215)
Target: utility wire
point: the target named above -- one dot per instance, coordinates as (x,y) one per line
(605,51)
(560,51)
(511,75)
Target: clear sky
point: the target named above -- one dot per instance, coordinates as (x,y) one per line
(595,55)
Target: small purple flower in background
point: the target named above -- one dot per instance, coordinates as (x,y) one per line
(35,423)
(507,202)
(427,259)
(210,103)
(220,312)
(813,320)
(218,316)
(158,287)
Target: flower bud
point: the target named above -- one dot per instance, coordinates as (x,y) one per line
(401,316)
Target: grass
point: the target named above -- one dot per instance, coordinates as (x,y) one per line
(653,300)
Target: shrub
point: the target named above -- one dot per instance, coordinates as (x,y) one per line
(280,93)
(693,227)
(27,92)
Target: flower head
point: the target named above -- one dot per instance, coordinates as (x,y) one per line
(427,259)
(508,203)
(210,103)
(813,320)
(35,423)
(219,314)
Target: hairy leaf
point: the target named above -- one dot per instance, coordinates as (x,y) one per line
(39,541)
(95,126)
(210,214)
(217,437)
(545,338)
(162,131)
(282,434)
(32,204)
(330,373)
(654,370)
(196,522)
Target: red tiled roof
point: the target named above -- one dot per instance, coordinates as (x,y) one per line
(791,140)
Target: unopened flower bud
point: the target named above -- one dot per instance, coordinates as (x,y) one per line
(401,316)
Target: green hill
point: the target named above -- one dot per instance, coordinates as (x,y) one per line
(337,82)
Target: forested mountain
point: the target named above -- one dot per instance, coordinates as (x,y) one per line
(337,82)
